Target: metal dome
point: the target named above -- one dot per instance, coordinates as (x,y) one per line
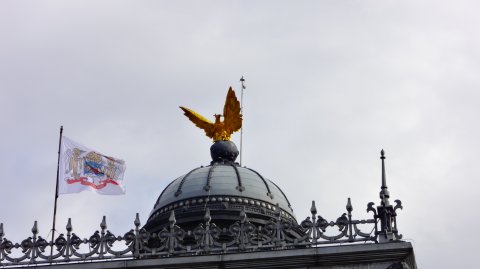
(225,188)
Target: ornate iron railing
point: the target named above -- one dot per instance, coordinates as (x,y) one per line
(206,238)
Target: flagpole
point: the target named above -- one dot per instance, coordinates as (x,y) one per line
(242,80)
(56,190)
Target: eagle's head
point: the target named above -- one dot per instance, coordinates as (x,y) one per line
(217,118)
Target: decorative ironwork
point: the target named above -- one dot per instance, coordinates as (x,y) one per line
(385,211)
(207,238)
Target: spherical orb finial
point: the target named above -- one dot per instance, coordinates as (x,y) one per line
(223,151)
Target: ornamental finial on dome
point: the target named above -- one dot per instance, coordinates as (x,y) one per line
(224,152)
(219,130)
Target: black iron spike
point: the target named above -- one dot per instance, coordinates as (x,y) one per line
(35,228)
(207,218)
(172,218)
(349,205)
(137,220)
(103,224)
(69,225)
(313,209)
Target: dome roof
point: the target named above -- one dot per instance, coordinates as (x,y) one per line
(225,188)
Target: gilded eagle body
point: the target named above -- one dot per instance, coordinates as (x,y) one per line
(219,130)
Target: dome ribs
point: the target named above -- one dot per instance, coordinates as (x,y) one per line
(269,193)
(282,193)
(239,187)
(158,200)
(209,177)
(223,187)
(179,190)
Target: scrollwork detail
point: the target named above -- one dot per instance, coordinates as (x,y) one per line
(207,237)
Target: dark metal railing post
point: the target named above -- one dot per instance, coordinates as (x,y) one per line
(33,253)
(136,252)
(69,239)
(172,234)
(386,212)
(103,226)
(207,218)
(350,226)
(313,210)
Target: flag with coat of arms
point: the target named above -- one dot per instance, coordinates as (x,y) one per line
(84,169)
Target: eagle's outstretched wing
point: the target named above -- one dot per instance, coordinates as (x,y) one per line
(199,121)
(232,116)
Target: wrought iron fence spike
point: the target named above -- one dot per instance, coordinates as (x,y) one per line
(172,241)
(103,224)
(35,228)
(313,209)
(137,241)
(137,220)
(243,215)
(172,219)
(384,178)
(69,225)
(384,193)
(207,218)
(349,205)
(277,211)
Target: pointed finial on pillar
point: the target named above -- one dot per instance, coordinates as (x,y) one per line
(384,194)
(277,210)
(137,220)
(35,228)
(207,218)
(349,205)
(69,225)
(172,219)
(243,215)
(103,224)
(384,178)
(313,209)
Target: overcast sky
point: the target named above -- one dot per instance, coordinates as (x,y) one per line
(329,84)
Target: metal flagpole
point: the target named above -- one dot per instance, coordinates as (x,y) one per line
(56,190)
(242,80)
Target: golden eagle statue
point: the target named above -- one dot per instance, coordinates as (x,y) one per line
(219,130)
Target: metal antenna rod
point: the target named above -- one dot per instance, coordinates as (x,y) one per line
(242,80)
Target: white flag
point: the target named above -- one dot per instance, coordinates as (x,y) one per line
(84,169)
